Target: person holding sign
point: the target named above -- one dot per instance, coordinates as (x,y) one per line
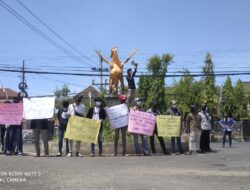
(97,113)
(227,124)
(174,111)
(193,127)
(76,109)
(40,127)
(137,107)
(63,121)
(155,111)
(122,99)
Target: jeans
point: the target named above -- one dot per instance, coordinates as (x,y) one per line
(78,144)
(205,140)
(37,131)
(99,143)
(178,139)
(14,137)
(229,133)
(2,129)
(160,139)
(137,145)
(61,132)
(124,141)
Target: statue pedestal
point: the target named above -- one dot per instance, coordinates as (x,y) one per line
(112,100)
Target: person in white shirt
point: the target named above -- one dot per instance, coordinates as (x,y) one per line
(227,124)
(76,109)
(205,130)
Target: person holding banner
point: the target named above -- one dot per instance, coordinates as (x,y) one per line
(63,121)
(76,109)
(155,111)
(174,111)
(122,99)
(193,127)
(40,127)
(97,113)
(137,107)
(14,137)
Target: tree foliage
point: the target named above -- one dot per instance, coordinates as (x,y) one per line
(227,101)
(61,94)
(240,101)
(209,92)
(152,87)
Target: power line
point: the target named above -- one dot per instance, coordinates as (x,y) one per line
(51,30)
(106,75)
(36,30)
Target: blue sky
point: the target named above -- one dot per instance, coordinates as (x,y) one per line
(186,29)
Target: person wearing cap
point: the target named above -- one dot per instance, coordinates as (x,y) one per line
(76,109)
(63,122)
(175,112)
(155,111)
(122,99)
(227,124)
(97,113)
(138,107)
(131,84)
(205,129)
(193,127)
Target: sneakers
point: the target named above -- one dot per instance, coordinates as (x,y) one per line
(69,155)
(20,153)
(92,154)
(78,154)
(59,154)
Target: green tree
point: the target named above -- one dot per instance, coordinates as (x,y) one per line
(61,94)
(227,100)
(152,86)
(209,92)
(184,92)
(240,101)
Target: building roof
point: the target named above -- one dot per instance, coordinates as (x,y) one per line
(11,93)
(85,93)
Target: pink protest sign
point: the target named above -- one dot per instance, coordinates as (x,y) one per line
(141,123)
(11,114)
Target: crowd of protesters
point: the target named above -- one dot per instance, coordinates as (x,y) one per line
(197,125)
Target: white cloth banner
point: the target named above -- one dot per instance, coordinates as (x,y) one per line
(118,116)
(38,108)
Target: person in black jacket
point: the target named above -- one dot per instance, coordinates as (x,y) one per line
(97,113)
(40,127)
(63,122)
(131,83)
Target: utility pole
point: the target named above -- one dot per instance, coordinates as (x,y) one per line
(22,85)
(101,61)
(101,69)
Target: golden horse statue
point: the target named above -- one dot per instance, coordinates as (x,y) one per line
(116,70)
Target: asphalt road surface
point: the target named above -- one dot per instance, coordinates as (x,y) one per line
(227,168)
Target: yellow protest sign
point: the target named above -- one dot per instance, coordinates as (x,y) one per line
(83,129)
(168,126)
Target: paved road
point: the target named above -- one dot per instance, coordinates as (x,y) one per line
(228,169)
